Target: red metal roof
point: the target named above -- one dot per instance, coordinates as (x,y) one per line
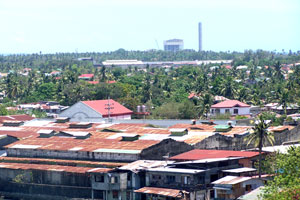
(198,154)
(86,76)
(230,104)
(191,95)
(101,107)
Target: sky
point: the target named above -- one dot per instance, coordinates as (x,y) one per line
(50,26)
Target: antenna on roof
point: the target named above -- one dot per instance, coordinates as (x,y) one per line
(108,106)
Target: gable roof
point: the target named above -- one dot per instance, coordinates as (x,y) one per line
(100,106)
(198,154)
(230,104)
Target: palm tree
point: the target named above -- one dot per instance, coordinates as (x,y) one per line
(259,136)
(228,88)
(284,99)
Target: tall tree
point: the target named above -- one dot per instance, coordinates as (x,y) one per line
(259,136)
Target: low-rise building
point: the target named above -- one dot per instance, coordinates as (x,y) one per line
(97,110)
(232,107)
(232,187)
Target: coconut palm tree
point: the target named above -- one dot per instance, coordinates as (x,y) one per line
(259,136)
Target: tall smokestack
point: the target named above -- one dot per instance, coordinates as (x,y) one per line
(200,35)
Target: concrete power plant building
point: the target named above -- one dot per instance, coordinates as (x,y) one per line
(173,45)
(200,35)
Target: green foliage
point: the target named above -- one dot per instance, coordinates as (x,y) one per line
(240,117)
(275,121)
(167,111)
(286,183)
(3,110)
(259,137)
(187,110)
(154,85)
(38,113)
(23,178)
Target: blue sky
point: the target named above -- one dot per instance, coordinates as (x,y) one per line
(31,26)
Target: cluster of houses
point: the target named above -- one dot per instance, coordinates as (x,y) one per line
(76,155)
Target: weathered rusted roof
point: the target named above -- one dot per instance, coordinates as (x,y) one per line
(60,162)
(161,191)
(23,166)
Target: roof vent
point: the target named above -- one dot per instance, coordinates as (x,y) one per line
(222,128)
(62,119)
(111,130)
(82,125)
(12,123)
(178,131)
(130,137)
(74,134)
(46,133)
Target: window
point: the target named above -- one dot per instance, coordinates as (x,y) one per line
(115,194)
(128,177)
(128,195)
(99,178)
(170,179)
(156,177)
(236,111)
(227,110)
(212,111)
(248,188)
(217,111)
(114,179)
(185,180)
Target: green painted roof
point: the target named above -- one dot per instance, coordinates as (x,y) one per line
(118,151)
(222,127)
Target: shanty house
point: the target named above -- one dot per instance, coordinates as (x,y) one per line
(232,187)
(96,111)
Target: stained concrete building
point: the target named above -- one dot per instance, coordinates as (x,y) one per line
(173,45)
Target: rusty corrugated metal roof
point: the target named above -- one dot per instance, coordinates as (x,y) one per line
(161,191)
(71,169)
(59,162)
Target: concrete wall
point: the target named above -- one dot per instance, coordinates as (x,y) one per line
(40,191)
(83,155)
(241,110)
(45,177)
(168,147)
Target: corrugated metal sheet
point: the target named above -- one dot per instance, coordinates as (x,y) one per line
(231,180)
(145,164)
(161,191)
(60,162)
(80,170)
(198,154)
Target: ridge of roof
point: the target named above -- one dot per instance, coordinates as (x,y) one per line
(100,106)
(230,104)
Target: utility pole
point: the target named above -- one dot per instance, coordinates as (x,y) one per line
(108,106)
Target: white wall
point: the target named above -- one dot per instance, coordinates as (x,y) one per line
(242,110)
